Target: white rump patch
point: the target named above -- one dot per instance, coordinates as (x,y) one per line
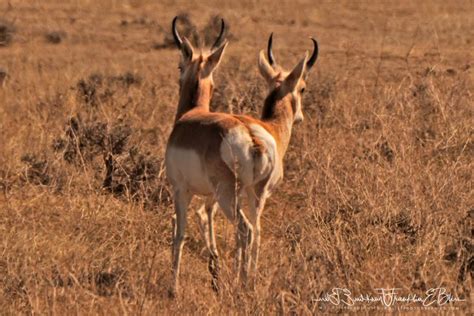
(269,161)
(237,151)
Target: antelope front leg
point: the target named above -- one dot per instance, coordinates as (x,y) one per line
(181,202)
(240,231)
(256,200)
(245,237)
(255,250)
(203,223)
(238,251)
(205,215)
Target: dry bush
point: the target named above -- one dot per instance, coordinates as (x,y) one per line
(127,171)
(98,88)
(37,170)
(55,37)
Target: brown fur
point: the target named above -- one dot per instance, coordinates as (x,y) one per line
(202,130)
(195,93)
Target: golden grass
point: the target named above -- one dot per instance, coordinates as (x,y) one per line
(378,179)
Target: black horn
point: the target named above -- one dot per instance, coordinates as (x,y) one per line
(271,59)
(177,38)
(314,56)
(221,35)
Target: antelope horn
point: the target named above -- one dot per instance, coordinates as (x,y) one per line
(314,56)
(271,59)
(220,37)
(177,38)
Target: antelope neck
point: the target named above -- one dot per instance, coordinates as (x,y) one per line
(194,95)
(278,112)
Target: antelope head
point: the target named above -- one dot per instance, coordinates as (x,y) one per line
(285,83)
(196,67)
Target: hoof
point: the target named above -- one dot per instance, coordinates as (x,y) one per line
(171,293)
(215,285)
(214,269)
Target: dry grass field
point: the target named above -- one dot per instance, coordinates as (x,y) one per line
(378,189)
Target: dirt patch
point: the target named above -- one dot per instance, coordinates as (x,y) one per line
(55,37)
(3,76)
(7,29)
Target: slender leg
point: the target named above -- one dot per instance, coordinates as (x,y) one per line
(228,201)
(244,235)
(205,216)
(182,198)
(256,200)
(211,208)
(254,245)
(203,223)
(238,251)
(214,267)
(173,225)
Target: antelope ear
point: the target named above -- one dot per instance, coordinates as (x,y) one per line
(292,80)
(187,49)
(214,59)
(266,70)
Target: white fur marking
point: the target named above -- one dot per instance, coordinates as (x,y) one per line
(236,152)
(269,160)
(184,168)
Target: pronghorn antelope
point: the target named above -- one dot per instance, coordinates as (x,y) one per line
(206,213)
(196,87)
(194,94)
(224,157)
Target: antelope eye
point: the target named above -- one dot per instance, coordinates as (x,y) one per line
(302,90)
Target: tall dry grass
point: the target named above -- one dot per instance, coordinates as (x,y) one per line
(378,179)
